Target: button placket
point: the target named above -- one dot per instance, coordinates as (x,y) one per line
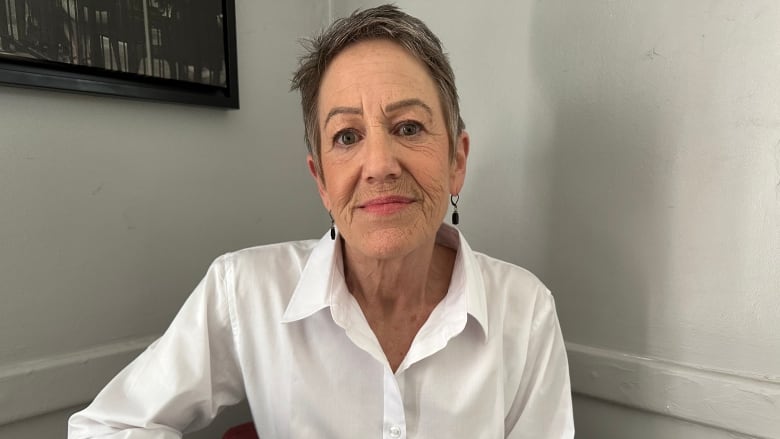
(394,417)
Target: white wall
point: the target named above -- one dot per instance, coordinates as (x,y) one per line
(111,211)
(665,206)
(628,152)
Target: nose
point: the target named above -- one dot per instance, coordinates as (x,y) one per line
(380,162)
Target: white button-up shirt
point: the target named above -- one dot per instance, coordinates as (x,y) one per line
(276,325)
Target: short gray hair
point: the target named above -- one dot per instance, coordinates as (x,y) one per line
(385,22)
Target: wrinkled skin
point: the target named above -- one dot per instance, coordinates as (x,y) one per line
(387,174)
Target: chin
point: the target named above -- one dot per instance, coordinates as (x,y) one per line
(389,243)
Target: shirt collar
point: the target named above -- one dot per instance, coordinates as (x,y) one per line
(322,282)
(313,290)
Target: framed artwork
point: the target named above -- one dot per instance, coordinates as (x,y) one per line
(168,50)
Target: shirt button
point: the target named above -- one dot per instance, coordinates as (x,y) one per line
(395,431)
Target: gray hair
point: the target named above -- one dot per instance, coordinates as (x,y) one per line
(386,22)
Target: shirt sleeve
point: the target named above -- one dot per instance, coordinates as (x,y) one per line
(542,408)
(180,382)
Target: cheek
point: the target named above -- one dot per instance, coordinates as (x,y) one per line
(339,189)
(436,185)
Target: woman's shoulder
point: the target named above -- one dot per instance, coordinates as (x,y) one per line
(511,289)
(509,275)
(518,301)
(278,253)
(262,278)
(258,267)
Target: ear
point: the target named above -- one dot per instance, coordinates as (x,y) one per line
(319,180)
(458,167)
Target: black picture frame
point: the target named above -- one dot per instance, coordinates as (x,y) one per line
(61,76)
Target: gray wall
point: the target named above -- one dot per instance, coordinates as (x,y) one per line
(112,210)
(627,152)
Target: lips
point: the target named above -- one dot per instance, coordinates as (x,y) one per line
(386,205)
(387,200)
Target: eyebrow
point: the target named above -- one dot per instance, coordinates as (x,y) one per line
(408,103)
(342,110)
(388,109)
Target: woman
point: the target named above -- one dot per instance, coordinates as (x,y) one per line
(391,327)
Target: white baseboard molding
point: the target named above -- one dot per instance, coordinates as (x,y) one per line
(46,385)
(725,400)
(729,401)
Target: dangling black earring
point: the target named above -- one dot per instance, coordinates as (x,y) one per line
(454,201)
(332,227)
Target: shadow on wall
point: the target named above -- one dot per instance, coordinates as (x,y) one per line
(609,175)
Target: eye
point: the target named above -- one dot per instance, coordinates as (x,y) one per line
(409,128)
(346,137)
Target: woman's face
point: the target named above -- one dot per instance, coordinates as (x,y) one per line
(386,171)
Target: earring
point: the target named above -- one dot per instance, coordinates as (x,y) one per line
(454,201)
(332,227)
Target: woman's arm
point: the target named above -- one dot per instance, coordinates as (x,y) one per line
(180,383)
(542,408)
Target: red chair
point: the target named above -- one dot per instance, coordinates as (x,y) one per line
(242,431)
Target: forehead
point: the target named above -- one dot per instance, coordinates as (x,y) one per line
(375,72)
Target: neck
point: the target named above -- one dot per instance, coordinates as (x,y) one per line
(389,286)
